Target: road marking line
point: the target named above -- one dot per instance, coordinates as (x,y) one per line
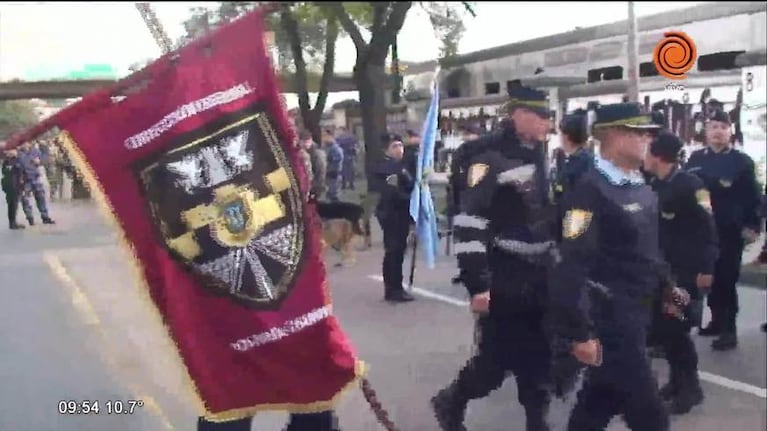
(429,294)
(79,300)
(705,376)
(733,384)
(88,313)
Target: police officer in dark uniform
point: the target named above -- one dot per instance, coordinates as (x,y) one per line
(470,148)
(395,184)
(730,177)
(504,225)
(689,244)
(577,158)
(610,240)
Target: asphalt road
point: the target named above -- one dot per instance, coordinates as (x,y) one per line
(65,337)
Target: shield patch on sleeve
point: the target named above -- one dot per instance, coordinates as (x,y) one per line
(477,171)
(704,199)
(227,206)
(575,223)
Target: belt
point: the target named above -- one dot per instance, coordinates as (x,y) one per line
(534,252)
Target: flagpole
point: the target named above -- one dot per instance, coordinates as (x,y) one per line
(412,258)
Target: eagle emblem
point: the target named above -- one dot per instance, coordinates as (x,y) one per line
(226,204)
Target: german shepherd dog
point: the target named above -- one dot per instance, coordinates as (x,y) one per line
(341,223)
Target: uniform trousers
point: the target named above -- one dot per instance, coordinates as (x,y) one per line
(396,228)
(510,341)
(723,299)
(37,190)
(12,201)
(333,180)
(348,173)
(622,385)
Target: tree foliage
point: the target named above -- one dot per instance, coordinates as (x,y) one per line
(305,35)
(305,38)
(16,115)
(383,22)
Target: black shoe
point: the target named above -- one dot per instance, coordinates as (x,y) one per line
(398,296)
(670,389)
(711,330)
(764,327)
(48,220)
(449,410)
(726,341)
(236,425)
(16,226)
(688,396)
(30,222)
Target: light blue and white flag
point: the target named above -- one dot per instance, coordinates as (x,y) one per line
(421,202)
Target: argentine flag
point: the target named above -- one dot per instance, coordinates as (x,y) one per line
(421,203)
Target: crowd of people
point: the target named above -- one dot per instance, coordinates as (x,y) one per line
(330,163)
(586,266)
(34,171)
(595,263)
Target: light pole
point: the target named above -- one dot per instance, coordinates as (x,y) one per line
(633,67)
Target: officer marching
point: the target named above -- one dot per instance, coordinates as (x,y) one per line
(610,240)
(576,159)
(730,177)
(395,184)
(689,244)
(504,227)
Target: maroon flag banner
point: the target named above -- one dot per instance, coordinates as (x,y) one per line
(198,168)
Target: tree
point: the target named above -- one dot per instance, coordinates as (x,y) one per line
(305,35)
(383,21)
(305,38)
(16,115)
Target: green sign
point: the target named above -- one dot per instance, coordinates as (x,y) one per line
(88,71)
(93,71)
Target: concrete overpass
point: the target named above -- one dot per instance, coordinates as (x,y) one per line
(77,88)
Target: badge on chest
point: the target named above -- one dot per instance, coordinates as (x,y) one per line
(704,199)
(477,172)
(575,223)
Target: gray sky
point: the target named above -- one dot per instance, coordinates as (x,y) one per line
(59,37)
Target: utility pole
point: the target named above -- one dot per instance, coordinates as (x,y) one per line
(633,67)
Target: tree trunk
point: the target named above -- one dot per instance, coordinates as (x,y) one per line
(395,72)
(327,74)
(310,117)
(369,78)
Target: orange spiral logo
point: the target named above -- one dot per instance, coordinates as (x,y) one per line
(674,55)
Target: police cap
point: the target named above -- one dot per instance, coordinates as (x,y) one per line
(666,146)
(720,116)
(534,100)
(624,115)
